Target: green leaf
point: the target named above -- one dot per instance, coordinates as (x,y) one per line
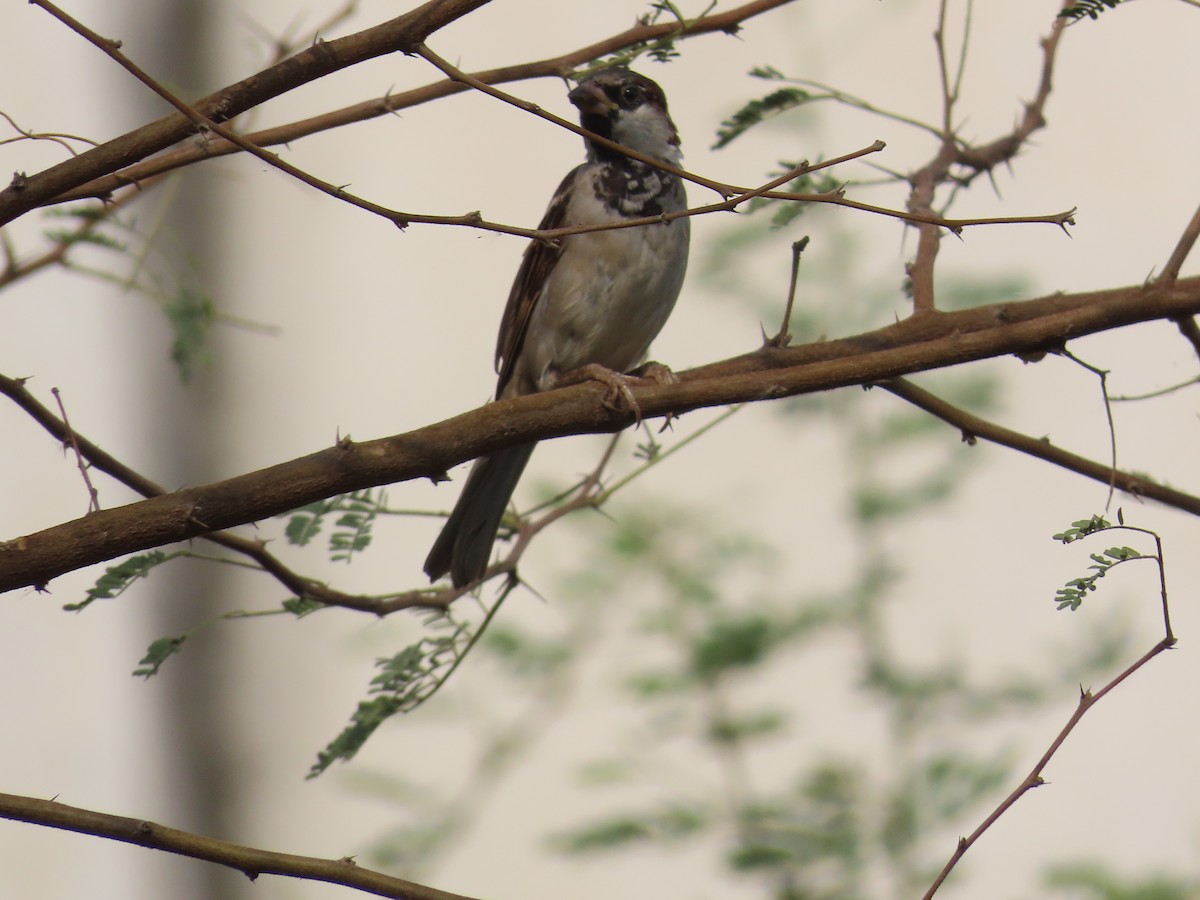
(63,236)
(1082,529)
(1071,595)
(116,579)
(352,530)
(735,728)
(1090,8)
(767,73)
(752,857)
(665,824)
(190,314)
(305,523)
(730,644)
(403,683)
(157,654)
(1087,879)
(302,606)
(757,111)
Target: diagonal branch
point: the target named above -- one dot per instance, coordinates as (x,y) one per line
(973,427)
(91,174)
(727,22)
(401,34)
(979,157)
(733,195)
(251,861)
(1186,242)
(1191,331)
(1034,779)
(913,345)
(256,550)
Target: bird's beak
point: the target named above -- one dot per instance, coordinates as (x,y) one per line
(591,100)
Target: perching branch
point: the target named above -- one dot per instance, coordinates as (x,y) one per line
(100,460)
(916,344)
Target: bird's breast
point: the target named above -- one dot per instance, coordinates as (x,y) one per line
(610,292)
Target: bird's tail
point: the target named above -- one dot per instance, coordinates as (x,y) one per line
(465,544)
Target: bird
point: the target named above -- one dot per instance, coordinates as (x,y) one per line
(593,301)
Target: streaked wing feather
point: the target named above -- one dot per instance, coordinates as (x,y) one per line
(537,263)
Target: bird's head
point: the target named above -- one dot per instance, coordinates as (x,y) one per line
(628,108)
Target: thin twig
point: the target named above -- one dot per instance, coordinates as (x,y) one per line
(734,195)
(73,442)
(1086,701)
(250,861)
(15,270)
(589,493)
(1190,330)
(784,337)
(112,165)
(1102,375)
(25,134)
(1187,240)
(1160,392)
(979,158)
(972,426)
(1034,779)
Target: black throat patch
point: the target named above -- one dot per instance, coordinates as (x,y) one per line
(633,189)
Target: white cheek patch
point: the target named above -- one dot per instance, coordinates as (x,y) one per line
(647,130)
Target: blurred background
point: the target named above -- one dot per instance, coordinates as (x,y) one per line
(799,658)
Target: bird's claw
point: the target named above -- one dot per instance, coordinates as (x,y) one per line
(618,396)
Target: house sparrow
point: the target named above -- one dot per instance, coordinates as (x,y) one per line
(596,300)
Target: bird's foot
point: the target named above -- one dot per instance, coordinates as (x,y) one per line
(618,397)
(659,374)
(656,372)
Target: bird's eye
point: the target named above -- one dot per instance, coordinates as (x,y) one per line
(631,95)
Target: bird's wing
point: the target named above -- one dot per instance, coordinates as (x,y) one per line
(536,265)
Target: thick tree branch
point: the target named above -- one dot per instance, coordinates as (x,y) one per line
(101,171)
(248,860)
(256,550)
(916,344)
(733,195)
(402,34)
